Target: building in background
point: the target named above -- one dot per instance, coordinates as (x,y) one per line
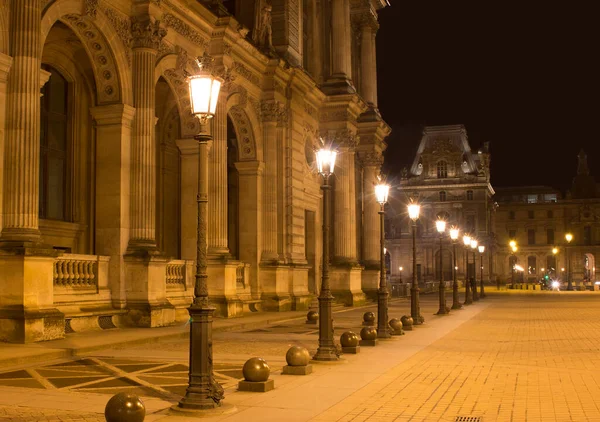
(98,178)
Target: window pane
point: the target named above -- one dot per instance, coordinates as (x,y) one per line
(531,264)
(55,182)
(531,236)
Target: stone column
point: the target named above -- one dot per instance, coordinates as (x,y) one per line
(371,230)
(368,27)
(5,63)
(271,174)
(189,189)
(22,147)
(217,182)
(340,37)
(344,250)
(147,36)
(113,133)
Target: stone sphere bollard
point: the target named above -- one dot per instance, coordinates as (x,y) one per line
(256,376)
(396,326)
(349,339)
(124,407)
(297,356)
(312,317)
(407,322)
(369,318)
(368,336)
(256,370)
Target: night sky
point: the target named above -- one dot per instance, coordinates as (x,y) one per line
(522,75)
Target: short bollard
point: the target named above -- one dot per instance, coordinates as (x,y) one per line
(312,317)
(256,376)
(297,358)
(349,341)
(396,326)
(124,407)
(368,319)
(368,336)
(407,322)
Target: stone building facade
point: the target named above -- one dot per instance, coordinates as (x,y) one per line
(452,182)
(537,218)
(99,167)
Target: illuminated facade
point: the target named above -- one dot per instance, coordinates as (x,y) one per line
(98,179)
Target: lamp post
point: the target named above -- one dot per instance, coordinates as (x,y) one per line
(467,243)
(474,278)
(554,253)
(568,238)
(382,191)
(455,301)
(513,248)
(326,350)
(415,309)
(400,270)
(440,225)
(481,291)
(203,391)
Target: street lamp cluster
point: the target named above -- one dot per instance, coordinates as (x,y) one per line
(470,284)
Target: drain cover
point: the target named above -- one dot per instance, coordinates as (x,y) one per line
(468,419)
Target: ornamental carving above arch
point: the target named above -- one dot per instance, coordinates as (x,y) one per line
(108,85)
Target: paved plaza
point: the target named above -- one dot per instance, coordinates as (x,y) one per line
(514,356)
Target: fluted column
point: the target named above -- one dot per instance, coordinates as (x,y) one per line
(371,227)
(368,60)
(147,36)
(270,115)
(22,148)
(345,204)
(340,36)
(217,182)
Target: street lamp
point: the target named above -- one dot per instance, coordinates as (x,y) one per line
(513,247)
(415,309)
(482,293)
(440,225)
(203,391)
(568,238)
(326,351)
(400,270)
(455,301)
(382,191)
(474,279)
(554,253)
(467,243)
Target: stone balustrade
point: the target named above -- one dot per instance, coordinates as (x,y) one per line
(241,276)
(176,273)
(76,271)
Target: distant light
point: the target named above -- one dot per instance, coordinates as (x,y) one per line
(555,284)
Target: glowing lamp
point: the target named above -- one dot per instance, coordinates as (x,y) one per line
(440,225)
(204,93)
(467,240)
(481,248)
(413,211)
(326,161)
(454,233)
(473,243)
(381,193)
(512,243)
(554,251)
(569,237)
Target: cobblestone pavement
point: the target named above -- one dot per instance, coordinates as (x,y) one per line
(517,356)
(525,358)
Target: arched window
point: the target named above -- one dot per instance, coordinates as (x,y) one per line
(442,196)
(54,147)
(442,169)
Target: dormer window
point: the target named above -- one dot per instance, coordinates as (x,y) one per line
(442,169)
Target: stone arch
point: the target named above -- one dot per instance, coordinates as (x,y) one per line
(167,68)
(108,56)
(248,148)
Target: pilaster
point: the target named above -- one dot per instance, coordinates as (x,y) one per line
(287,30)
(113,132)
(5,64)
(339,82)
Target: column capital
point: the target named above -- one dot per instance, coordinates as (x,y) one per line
(249,168)
(273,111)
(371,159)
(113,114)
(44,77)
(188,146)
(147,32)
(343,139)
(364,19)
